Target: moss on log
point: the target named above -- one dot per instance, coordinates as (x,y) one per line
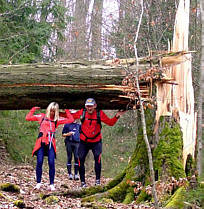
(9,187)
(19,203)
(51,200)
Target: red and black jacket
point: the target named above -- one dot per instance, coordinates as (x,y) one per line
(90,127)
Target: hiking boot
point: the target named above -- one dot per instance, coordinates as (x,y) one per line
(38,185)
(70,177)
(76,177)
(52,187)
(83,185)
(97,183)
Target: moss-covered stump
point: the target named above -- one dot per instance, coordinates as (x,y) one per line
(134,182)
(8,187)
(168,155)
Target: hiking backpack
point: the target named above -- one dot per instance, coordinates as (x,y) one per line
(98,117)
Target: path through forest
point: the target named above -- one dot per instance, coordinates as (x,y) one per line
(24,177)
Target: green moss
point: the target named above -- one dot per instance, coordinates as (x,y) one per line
(5,197)
(91,198)
(92,190)
(51,200)
(142,197)
(95,197)
(115,181)
(42,196)
(19,203)
(118,192)
(106,200)
(129,196)
(8,187)
(177,200)
(85,192)
(195,196)
(169,152)
(93,205)
(139,158)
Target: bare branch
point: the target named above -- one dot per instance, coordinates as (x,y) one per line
(143,115)
(10,60)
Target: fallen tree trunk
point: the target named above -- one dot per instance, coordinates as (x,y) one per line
(70,83)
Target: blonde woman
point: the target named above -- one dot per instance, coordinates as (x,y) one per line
(45,144)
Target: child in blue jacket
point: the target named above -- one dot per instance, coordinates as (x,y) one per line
(71,133)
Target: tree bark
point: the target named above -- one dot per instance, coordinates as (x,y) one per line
(96,30)
(70,83)
(200,98)
(79,43)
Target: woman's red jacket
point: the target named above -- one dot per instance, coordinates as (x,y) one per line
(47,127)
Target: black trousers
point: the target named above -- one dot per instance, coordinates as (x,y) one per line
(96,149)
(72,148)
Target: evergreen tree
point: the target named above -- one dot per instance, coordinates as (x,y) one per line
(28,27)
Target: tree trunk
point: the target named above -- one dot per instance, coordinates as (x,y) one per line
(200,98)
(96,30)
(78,44)
(70,83)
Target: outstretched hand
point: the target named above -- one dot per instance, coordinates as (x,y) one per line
(37,108)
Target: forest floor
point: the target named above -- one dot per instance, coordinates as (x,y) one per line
(24,177)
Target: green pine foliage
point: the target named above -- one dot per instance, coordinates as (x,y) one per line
(27,26)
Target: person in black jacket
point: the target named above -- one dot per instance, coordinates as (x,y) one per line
(71,133)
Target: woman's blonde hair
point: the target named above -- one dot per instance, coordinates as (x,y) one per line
(53,106)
